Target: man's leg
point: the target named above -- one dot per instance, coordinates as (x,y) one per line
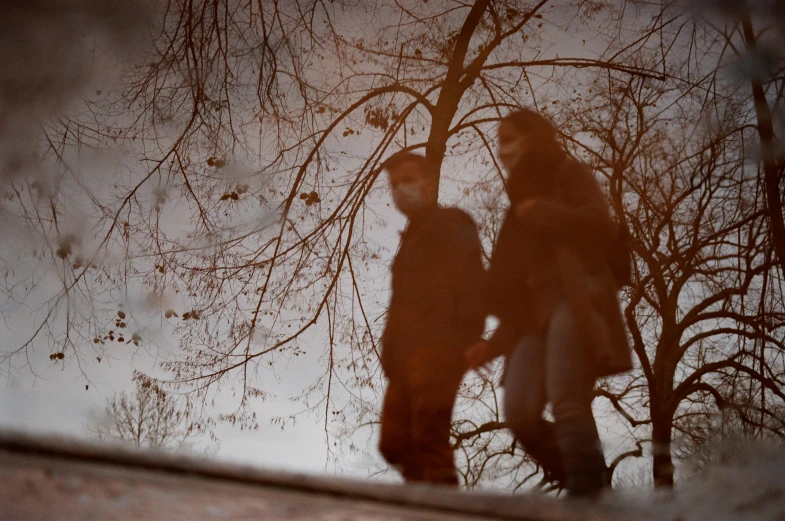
(435,375)
(395,441)
(524,401)
(570,388)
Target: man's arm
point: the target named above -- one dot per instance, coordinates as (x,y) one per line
(464,254)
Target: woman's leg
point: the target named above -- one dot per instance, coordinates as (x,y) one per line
(570,377)
(524,401)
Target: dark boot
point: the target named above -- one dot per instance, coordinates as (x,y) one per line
(584,464)
(540,442)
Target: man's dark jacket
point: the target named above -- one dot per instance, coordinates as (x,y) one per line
(437,287)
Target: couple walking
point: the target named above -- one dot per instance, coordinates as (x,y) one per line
(552,283)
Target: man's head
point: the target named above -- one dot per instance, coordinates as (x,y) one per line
(413,181)
(521,132)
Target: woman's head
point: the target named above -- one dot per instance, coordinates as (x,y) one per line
(521,132)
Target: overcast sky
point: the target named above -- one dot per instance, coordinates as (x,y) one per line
(48,65)
(51,396)
(67,398)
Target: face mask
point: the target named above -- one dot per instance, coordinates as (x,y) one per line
(408,197)
(509,154)
(512,151)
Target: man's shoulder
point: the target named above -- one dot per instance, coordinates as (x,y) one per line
(458,226)
(455,218)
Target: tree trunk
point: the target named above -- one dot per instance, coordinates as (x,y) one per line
(662,464)
(452,90)
(771,172)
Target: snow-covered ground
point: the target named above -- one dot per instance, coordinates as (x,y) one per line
(748,485)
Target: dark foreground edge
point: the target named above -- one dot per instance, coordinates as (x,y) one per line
(20,449)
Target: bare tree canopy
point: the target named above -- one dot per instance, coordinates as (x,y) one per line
(218,204)
(150,417)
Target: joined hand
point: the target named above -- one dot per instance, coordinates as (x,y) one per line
(478,354)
